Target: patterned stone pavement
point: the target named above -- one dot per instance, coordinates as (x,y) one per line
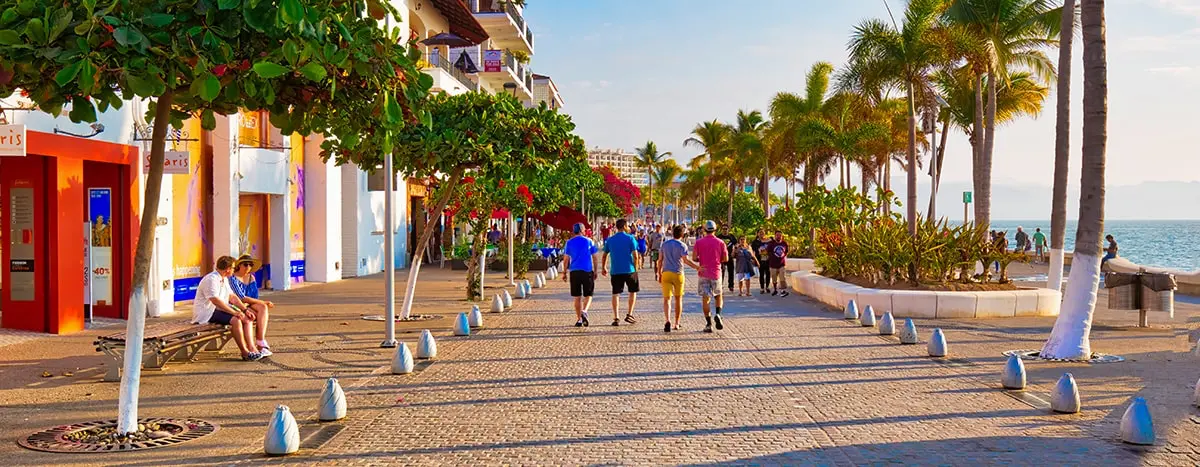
(786,382)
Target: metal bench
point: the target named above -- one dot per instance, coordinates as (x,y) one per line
(163,342)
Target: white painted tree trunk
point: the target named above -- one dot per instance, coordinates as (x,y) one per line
(1055,275)
(1070,337)
(389,257)
(411,287)
(127,414)
(512,225)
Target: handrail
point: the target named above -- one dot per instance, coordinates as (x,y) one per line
(434,58)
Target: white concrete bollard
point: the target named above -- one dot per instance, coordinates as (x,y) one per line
(507,300)
(867,320)
(540,281)
(283,436)
(1013,376)
(528,288)
(426,346)
(851,311)
(1065,398)
(937,344)
(497,304)
(333,402)
(520,291)
(462,326)
(908,334)
(402,362)
(887,325)
(475,319)
(1136,425)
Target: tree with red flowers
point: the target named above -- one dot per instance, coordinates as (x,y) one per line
(623,192)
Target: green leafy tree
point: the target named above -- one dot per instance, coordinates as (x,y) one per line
(747,209)
(316,66)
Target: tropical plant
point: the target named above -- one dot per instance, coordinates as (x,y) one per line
(317,67)
(748,215)
(789,113)
(649,159)
(1062,147)
(1070,338)
(622,194)
(748,161)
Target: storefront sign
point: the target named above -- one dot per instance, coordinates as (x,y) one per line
(491,61)
(22,283)
(174,163)
(12,140)
(416,189)
(100,213)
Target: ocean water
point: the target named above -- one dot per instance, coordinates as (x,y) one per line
(1168,244)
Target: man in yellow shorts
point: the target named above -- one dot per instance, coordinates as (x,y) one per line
(668,270)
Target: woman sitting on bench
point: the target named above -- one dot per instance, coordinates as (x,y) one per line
(246,288)
(216,303)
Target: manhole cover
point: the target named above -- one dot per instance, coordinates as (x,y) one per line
(1036,355)
(410,319)
(99,436)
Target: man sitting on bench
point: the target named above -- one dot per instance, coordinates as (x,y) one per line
(245,286)
(216,303)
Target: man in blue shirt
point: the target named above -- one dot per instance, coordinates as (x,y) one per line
(579,261)
(622,248)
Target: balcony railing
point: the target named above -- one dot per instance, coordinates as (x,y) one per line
(509,9)
(529,36)
(435,59)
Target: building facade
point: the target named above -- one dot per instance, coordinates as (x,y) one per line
(625,163)
(243,188)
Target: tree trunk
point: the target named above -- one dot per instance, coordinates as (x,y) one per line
(939,156)
(410,288)
(977,143)
(766,193)
(135,327)
(983,199)
(911,202)
(1062,149)
(1070,336)
(729,216)
(477,262)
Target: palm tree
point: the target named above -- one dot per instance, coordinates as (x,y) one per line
(905,55)
(713,138)
(1062,148)
(1009,33)
(747,147)
(847,131)
(650,159)
(788,113)
(664,176)
(1070,336)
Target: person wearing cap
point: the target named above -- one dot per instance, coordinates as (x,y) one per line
(777,251)
(245,286)
(580,261)
(711,253)
(621,249)
(216,303)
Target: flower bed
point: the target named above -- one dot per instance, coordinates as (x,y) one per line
(928,303)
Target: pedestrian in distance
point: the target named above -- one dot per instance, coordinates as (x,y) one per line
(727,266)
(621,250)
(654,243)
(711,253)
(668,270)
(1039,244)
(579,259)
(777,250)
(745,262)
(759,246)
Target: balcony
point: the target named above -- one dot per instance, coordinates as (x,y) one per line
(446,77)
(504,24)
(510,71)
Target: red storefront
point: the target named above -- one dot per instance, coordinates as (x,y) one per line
(46,197)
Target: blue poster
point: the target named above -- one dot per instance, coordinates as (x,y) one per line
(100,215)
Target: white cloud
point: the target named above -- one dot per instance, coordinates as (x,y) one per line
(1172,70)
(1165,42)
(604,83)
(583,84)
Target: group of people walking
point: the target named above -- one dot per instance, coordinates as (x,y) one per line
(712,256)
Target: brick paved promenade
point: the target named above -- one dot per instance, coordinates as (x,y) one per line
(787,382)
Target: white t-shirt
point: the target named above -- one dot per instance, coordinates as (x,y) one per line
(213,285)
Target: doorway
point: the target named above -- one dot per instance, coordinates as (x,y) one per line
(108,263)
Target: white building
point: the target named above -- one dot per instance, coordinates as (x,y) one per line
(623,162)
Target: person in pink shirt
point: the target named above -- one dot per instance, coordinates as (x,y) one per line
(710,252)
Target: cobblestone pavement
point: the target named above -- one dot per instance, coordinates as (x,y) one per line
(786,382)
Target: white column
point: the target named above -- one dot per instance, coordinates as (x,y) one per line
(389,258)
(225,187)
(322,215)
(280,226)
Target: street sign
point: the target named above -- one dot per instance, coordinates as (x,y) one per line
(967,197)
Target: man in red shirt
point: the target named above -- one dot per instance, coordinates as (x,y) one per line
(710,252)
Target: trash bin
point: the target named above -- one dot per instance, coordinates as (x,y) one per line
(1158,292)
(1123,290)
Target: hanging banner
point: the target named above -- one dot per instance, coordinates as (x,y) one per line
(100,213)
(491,61)
(296,195)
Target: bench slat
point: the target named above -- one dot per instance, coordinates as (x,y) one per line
(165,330)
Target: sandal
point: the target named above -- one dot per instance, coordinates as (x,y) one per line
(630,319)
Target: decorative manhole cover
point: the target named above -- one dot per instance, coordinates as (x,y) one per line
(409,319)
(101,436)
(1036,355)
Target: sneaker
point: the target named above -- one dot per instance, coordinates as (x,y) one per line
(667,327)
(783,294)
(265,352)
(717,321)
(616,322)
(678,327)
(774,293)
(585,321)
(708,328)
(253,356)
(762,291)
(579,323)
(630,319)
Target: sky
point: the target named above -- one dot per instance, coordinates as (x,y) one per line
(637,70)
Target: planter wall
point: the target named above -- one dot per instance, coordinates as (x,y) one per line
(929,304)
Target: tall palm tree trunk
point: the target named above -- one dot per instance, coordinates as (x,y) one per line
(1070,337)
(977,143)
(729,215)
(939,156)
(1062,149)
(983,199)
(911,202)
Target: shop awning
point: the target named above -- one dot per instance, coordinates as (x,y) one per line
(563,219)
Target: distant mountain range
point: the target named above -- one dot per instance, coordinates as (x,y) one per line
(1144,201)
